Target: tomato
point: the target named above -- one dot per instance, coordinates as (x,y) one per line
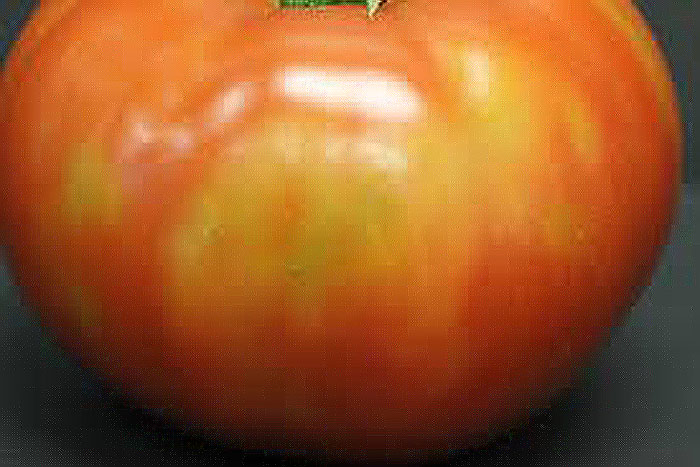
(307,227)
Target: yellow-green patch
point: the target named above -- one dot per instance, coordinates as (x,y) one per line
(583,131)
(91,193)
(565,226)
(291,218)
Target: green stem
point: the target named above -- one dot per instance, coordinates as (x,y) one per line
(371,5)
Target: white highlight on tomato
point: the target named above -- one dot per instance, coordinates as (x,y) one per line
(180,139)
(478,71)
(376,95)
(140,134)
(228,106)
(143,133)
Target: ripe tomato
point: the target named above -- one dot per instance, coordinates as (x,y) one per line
(312,228)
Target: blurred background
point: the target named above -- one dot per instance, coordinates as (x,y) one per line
(637,404)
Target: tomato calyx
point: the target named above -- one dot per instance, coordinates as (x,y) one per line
(371,5)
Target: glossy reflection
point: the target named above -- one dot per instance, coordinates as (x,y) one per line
(373,94)
(228,107)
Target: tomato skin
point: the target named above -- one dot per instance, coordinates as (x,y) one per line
(314,229)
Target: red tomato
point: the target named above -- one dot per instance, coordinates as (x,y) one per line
(311,228)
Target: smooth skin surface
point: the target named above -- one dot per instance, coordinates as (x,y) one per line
(309,228)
